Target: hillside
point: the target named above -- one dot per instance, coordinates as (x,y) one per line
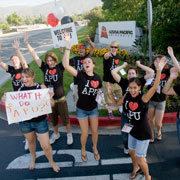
(70,6)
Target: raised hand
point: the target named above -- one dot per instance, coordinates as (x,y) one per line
(170,51)
(67,39)
(173,72)
(160,63)
(88,38)
(125,64)
(26,38)
(138,63)
(15,44)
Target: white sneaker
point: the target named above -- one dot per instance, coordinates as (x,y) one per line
(26,146)
(69,139)
(54,137)
(126,151)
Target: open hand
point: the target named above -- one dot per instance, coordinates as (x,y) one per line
(15,45)
(160,63)
(170,51)
(173,72)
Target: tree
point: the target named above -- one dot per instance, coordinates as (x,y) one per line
(14,19)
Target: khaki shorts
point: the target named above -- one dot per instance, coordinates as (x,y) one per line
(117,91)
(60,109)
(157,105)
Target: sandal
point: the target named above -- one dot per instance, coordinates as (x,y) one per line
(84,158)
(159,137)
(133,175)
(97,156)
(152,140)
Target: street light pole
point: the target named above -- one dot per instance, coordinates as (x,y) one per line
(149,5)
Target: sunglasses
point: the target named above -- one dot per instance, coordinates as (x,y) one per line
(115,47)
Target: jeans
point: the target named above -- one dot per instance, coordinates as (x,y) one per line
(178,128)
(124,120)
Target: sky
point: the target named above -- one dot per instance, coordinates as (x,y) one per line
(6,3)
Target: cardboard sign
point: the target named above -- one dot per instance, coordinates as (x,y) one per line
(58,31)
(25,105)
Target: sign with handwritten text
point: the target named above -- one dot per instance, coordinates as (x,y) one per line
(25,105)
(57,34)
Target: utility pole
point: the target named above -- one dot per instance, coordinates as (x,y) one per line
(149,5)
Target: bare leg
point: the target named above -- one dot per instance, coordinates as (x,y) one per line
(158,122)
(31,138)
(68,128)
(45,144)
(151,114)
(134,161)
(84,134)
(94,131)
(144,167)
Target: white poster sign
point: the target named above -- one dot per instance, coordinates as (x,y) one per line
(25,105)
(123,32)
(57,32)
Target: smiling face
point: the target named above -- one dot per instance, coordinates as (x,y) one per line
(15,61)
(114,47)
(131,74)
(134,89)
(50,62)
(88,65)
(82,51)
(27,80)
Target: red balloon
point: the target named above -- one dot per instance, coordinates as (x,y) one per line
(52,20)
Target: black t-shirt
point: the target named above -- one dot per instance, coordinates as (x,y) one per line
(54,77)
(15,76)
(78,62)
(87,90)
(108,65)
(124,84)
(136,112)
(37,86)
(158,95)
(177,90)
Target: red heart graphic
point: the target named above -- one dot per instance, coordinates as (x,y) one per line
(116,61)
(163,76)
(52,72)
(133,105)
(94,84)
(82,61)
(18,76)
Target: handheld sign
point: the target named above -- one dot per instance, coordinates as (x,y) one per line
(25,105)
(57,34)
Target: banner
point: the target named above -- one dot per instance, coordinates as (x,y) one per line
(124,32)
(57,32)
(25,105)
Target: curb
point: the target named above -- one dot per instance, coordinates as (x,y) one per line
(104,121)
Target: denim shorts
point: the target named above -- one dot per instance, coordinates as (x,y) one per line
(82,114)
(39,127)
(140,146)
(157,105)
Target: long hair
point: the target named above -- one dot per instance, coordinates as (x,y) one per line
(52,55)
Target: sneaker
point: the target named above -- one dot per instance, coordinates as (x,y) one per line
(111,116)
(69,139)
(126,151)
(26,146)
(54,137)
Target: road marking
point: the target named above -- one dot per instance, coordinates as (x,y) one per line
(98,177)
(125,176)
(116,161)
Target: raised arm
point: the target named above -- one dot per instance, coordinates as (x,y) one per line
(171,54)
(115,73)
(65,59)
(167,89)
(3,65)
(148,70)
(15,46)
(159,67)
(91,45)
(31,50)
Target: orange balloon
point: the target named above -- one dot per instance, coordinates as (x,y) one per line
(52,20)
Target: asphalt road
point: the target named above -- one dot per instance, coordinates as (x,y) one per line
(163,157)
